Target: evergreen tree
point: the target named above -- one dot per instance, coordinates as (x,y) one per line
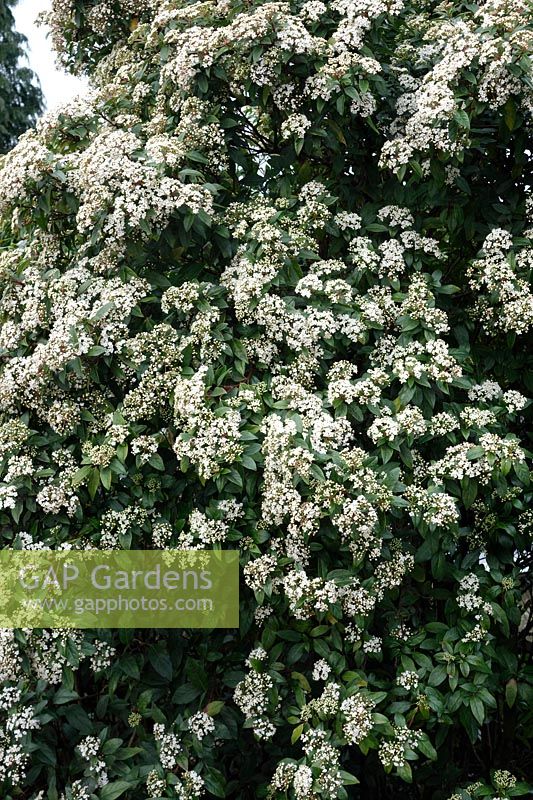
(20,95)
(269,290)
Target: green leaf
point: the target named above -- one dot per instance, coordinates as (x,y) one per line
(475,452)
(156,462)
(462,119)
(106,476)
(214,707)
(113,790)
(110,746)
(468,491)
(129,666)
(161,662)
(215,782)
(405,773)
(94,482)
(511,691)
(437,675)
(522,472)
(185,693)
(509,114)
(302,680)
(426,748)
(78,718)
(348,779)
(64,695)
(297,732)
(81,475)
(102,311)
(478,709)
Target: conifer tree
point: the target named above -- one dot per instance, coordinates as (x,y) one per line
(20,96)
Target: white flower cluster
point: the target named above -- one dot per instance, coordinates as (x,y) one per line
(169,746)
(462,461)
(504,298)
(258,571)
(155,785)
(161,534)
(468,598)
(10,657)
(396,217)
(348,220)
(295,126)
(321,670)
(410,422)
(209,439)
(392,751)
(201,724)
(110,175)
(17,722)
(326,705)
(415,360)
(408,680)
(436,507)
(90,749)
(419,304)
(358,524)
(48,652)
(190,787)
(357,712)
(503,780)
(204,530)
(306,595)
(115,525)
(102,656)
(302,782)
(27,164)
(373,645)
(486,391)
(426,109)
(252,697)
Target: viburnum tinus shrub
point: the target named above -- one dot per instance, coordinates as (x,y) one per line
(267,290)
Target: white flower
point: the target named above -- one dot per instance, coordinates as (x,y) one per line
(201,724)
(408,680)
(169,746)
(357,711)
(303,782)
(295,126)
(321,670)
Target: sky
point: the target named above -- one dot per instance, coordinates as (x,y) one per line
(57,86)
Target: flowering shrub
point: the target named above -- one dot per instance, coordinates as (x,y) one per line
(266,287)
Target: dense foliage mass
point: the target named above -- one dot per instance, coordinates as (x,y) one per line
(20,97)
(269,290)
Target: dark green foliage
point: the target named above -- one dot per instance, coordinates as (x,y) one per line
(20,95)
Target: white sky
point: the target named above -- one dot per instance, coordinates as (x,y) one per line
(57,85)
